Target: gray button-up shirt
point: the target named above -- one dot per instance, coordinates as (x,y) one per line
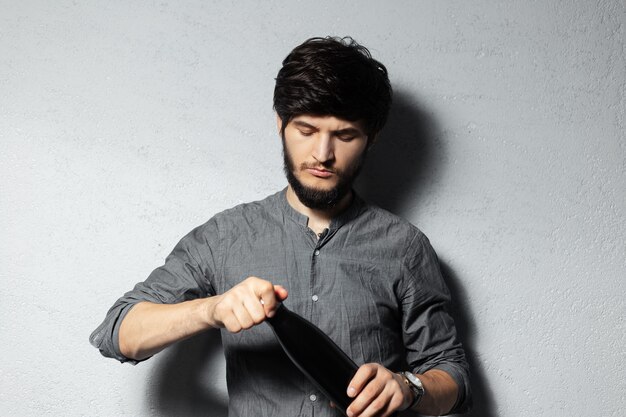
(372,283)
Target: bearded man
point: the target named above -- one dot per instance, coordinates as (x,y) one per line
(367,278)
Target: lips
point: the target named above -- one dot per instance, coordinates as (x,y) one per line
(319,172)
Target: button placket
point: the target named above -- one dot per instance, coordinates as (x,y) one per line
(315,297)
(315,259)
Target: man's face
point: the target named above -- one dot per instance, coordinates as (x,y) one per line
(322,156)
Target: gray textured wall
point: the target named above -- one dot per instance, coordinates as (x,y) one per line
(123,125)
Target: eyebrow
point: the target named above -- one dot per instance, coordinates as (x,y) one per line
(347,130)
(300,123)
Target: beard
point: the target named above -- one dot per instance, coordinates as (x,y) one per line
(315,198)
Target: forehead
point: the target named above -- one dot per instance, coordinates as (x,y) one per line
(330,123)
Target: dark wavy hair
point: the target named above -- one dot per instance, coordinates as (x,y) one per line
(333,77)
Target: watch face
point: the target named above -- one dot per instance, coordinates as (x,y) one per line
(414,380)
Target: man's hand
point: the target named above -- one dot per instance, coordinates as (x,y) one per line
(148,327)
(377,392)
(245,305)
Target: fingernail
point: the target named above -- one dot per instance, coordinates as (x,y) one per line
(350,413)
(351,391)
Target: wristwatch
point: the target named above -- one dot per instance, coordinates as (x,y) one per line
(415,385)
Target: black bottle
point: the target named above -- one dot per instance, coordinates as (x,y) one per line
(315,354)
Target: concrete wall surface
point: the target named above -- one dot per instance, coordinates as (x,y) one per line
(125,124)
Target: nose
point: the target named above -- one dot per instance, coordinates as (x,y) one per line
(323,148)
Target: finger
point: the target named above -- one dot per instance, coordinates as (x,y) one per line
(255,309)
(389,401)
(281,292)
(229,321)
(243,317)
(264,292)
(380,403)
(361,378)
(395,404)
(368,399)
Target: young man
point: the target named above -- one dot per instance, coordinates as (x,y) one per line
(367,278)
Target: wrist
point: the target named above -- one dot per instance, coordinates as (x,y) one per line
(206,312)
(415,387)
(440,393)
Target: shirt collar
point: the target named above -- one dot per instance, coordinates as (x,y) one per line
(342,218)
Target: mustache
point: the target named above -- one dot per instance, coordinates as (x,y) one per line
(322,167)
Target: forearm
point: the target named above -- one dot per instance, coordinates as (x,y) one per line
(149,328)
(440,393)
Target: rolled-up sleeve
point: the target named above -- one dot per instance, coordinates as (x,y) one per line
(428,329)
(186,274)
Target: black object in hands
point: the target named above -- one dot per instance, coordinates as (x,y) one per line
(315,354)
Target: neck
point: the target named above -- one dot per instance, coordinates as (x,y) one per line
(319,219)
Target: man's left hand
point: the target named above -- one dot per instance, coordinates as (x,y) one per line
(377,392)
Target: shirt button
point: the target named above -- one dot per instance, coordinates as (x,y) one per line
(317,252)
(313,397)
(315,298)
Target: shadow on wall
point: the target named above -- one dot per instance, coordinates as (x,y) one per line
(402,165)
(187,380)
(483,398)
(403,160)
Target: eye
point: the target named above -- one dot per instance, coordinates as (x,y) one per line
(305,132)
(346,138)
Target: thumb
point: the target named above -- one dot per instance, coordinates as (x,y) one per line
(281,292)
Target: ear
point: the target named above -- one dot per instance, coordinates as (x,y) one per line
(279,123)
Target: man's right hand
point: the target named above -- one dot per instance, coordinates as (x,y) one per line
(148,327)
(245,305)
